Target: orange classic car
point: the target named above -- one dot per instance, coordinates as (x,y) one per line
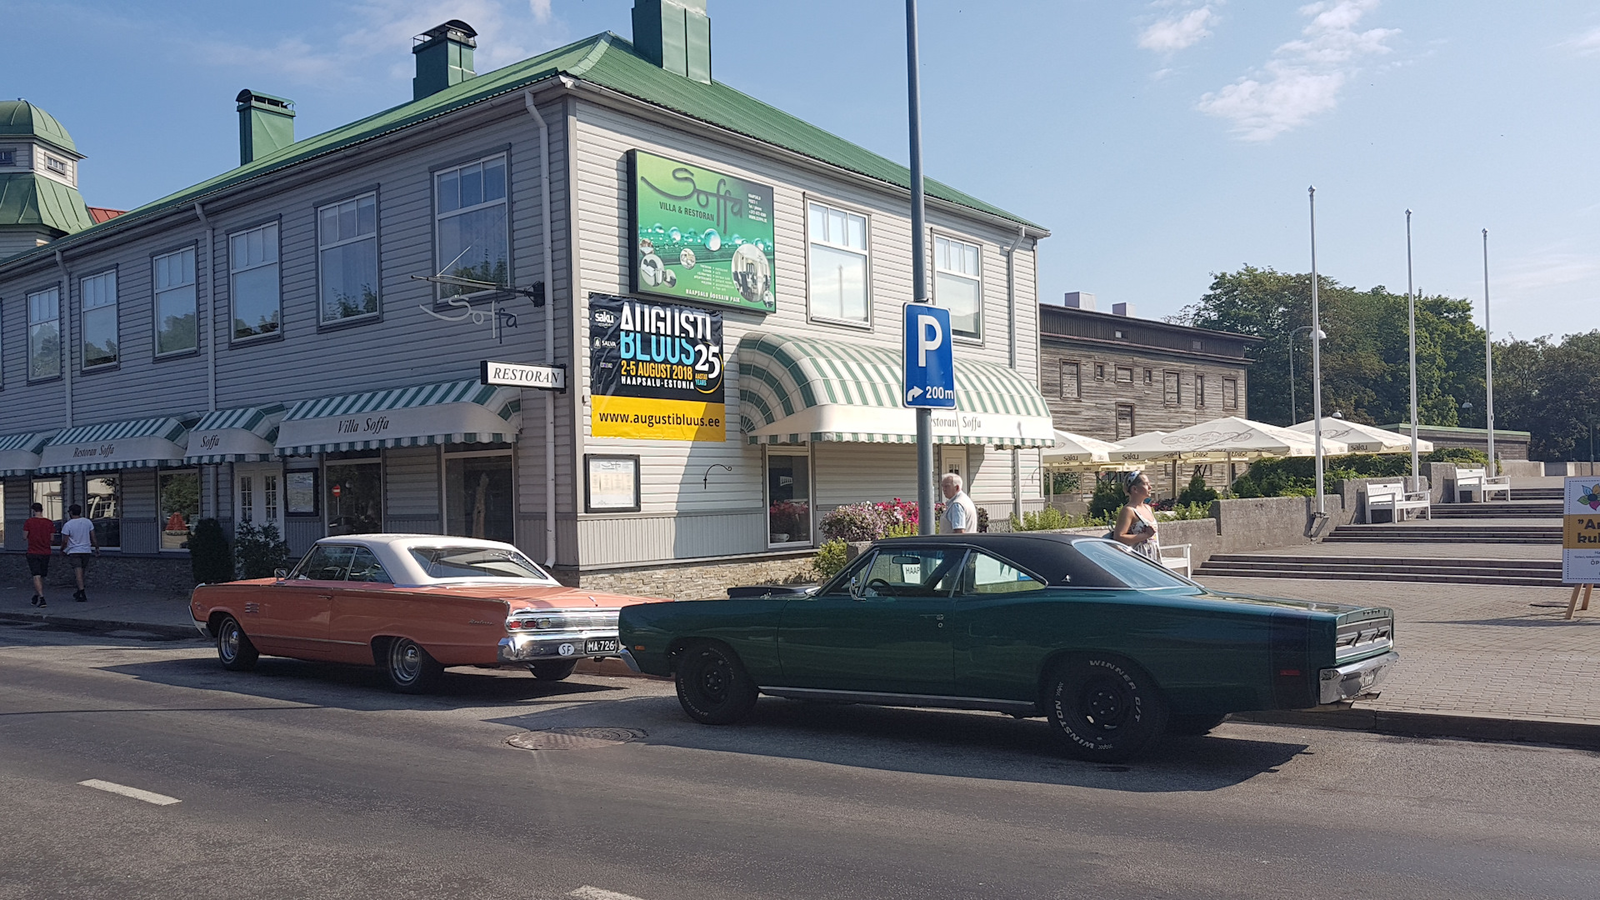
(411,604)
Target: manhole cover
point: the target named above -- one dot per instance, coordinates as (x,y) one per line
(577,738)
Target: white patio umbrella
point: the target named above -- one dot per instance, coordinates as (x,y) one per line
(1076,450)
(1227,440)
(1363,438)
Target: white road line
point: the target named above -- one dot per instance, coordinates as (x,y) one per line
(135,793)
(593,893)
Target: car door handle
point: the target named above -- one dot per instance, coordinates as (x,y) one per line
(938,617)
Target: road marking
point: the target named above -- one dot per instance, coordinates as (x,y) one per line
(135,793)
(593,893)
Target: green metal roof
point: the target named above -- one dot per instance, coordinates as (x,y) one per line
(19,118)
(33,200)
(605,60)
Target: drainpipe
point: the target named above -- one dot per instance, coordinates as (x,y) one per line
(549,334)
(66,331)
(211,340)
(1011,323)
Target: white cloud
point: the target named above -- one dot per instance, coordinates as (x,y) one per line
(1585,44)
(1304,77)
(1178,31)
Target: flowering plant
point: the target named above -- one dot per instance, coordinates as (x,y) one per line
(791,518)
(870,521)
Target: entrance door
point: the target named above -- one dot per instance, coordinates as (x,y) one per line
(953,458)
(258,494)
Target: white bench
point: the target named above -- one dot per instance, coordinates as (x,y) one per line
(1176,557)
(1394,497)
(1486,484)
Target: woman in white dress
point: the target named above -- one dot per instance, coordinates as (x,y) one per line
(1136,522)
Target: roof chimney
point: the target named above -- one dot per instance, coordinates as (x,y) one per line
(444,57)
(266,124)
(1122,309)
(1079,300)
(675,35)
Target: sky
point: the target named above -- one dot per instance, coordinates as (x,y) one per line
(1160,142)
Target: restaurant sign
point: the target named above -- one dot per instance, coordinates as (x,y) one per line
(700,234)
(655,371)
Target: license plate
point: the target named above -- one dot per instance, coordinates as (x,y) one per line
(600,645)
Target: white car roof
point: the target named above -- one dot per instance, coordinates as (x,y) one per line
(393,550)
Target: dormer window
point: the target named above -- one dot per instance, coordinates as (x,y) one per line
(55,165)
(8,157)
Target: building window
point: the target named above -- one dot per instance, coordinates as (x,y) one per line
(1125,424)
(1071,387)
(247,499)
(1199,392)
(1124,375)
(176,330)
(1173,389)
(1099,371)
(98,294)
(788,499)
(253,262)
(44,334)
(1195,345)
(354,498)
(8,157)
(1120,335)
(470,224)
(1149,376)
(47,493)
(838,264)
(957,285)
(269,498)
(1230,393)
(347,258)
(55,165)
(480,496)
(180,506)
(102,504)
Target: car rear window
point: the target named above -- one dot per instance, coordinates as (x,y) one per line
(474,563)
(1116,567)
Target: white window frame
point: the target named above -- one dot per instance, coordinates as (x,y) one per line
(253,505)
(271,258)
(811,493)
(324,244)
(443,265)
(975,277)
(163,292)
(864,251)
(100,289)
(58,166)
(35,322)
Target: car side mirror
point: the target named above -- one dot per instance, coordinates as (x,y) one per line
(280,574)
(855,587)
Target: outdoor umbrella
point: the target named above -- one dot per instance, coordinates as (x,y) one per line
(1221,440)
(1363,438)
(1076,451)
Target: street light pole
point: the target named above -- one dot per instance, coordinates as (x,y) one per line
(1294,408)
(1316,354)
(1488,358)
(919,274)
(1411,303)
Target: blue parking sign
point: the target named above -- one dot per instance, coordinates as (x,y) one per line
(930,372)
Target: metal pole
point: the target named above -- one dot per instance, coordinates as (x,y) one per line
(919,272)
(1294,408)
(1316,354)
(1488,358)
(1411,302)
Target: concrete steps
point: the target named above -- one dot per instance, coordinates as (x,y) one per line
(1542,493)
(1499,509)
(1533,572)
(1423,532)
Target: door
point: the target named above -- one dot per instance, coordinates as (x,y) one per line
(258,492)
(295,614)
(889,635)
(953,459)
(1003,624)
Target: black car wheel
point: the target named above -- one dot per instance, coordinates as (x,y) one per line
(233,646)
(1193,725)
(552,670)
(409,668)
(713,686)
(1105,707)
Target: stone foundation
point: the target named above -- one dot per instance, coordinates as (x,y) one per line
(170,576)
(697,579)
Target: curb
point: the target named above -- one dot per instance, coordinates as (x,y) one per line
(1565,732)
(100,625)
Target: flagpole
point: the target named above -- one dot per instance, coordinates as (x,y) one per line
(1488,357)
(1316,354)
(1411,302)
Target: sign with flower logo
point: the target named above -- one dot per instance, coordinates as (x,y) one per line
(1580,544)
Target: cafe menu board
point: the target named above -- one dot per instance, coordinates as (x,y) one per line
(700,234)
(655,371)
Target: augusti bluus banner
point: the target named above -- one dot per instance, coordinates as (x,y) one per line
(700,234)
(655,371)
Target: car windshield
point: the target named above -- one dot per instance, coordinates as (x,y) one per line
(477,563)
(1129,569)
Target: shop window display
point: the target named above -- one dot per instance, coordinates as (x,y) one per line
(180,506)
(353,497)
(480,500)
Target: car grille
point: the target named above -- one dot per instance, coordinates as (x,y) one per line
(1363,638)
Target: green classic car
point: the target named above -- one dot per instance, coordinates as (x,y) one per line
(1112,648)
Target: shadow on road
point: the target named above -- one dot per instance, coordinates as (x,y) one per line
(932,742)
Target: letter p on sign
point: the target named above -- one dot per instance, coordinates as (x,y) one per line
(929,337)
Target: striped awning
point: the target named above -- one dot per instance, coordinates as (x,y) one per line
(19,453)
(134,444)
(450,412)
(246,434)
(797,390)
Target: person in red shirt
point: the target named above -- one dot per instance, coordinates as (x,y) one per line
(40,531)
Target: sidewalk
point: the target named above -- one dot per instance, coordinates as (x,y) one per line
(1489,662)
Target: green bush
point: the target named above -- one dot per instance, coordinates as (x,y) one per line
(258,550)
(1066,482)
(1052,519)
(1109,497)
(1196,492)
(1185,511)
(209,555)
(830,559)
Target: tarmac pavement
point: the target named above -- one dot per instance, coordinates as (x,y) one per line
(1488,662)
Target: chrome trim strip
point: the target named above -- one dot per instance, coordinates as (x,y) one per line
(628,658)
(1353,680)
(530,647)
(203,628)
(937,701)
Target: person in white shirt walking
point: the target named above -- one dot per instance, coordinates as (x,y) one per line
(960,515)
(79,543)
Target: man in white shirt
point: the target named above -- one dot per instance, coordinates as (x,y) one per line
(79,543)
(960,515)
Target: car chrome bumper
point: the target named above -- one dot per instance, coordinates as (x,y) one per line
(533,646)
(628,658)
(1350,681)
(202,627)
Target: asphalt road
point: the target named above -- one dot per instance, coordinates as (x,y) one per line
(306,780)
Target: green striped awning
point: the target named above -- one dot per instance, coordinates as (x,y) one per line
(19,453)
(797,390)
(136,443)
(246,434)
(453,412)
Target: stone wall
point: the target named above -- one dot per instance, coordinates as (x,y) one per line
(697,580)
(167,575)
